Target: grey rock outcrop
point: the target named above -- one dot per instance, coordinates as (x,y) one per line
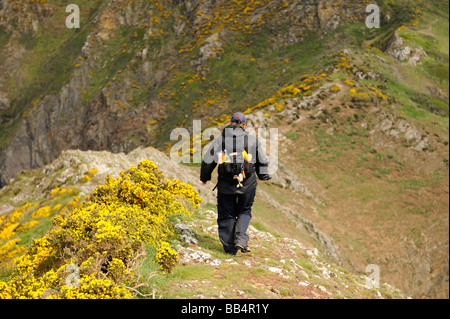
(186,234)
(404,53)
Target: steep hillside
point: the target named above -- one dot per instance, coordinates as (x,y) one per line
(362,114)
(279,267)
(136,69)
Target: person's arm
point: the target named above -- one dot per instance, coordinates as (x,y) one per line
(262,163)
(209,163)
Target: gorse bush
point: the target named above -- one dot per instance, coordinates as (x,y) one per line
(166,257)
(104,237)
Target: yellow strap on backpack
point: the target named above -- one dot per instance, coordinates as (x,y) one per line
(247,157)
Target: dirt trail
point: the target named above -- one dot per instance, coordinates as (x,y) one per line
(429,30)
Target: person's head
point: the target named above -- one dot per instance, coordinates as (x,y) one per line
(239,119)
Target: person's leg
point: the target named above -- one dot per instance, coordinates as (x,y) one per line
(226,220)
(244,213)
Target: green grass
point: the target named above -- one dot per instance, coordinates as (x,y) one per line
(46,66)
(414,184)
(292,135)
(435,66)
(212,244)
(413,97)
(332,147)
(437,71)
(419,106)
(4,37)
(249,82)
(45,223)
(117,60)
(163,284)
(36,232)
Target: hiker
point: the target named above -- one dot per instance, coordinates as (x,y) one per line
(241,160)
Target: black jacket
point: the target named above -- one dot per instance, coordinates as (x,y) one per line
(235,138)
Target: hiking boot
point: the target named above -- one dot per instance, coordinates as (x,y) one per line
(244,249)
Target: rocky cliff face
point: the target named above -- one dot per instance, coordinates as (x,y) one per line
(66,119)
(61,121)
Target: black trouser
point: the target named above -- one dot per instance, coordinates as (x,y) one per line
(234,215)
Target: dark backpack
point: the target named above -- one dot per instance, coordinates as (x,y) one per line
(235,167)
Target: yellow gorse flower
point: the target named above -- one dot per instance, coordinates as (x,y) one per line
(166,257)
(103,237)
(42,212)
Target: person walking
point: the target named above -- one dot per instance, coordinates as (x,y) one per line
(241,160)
